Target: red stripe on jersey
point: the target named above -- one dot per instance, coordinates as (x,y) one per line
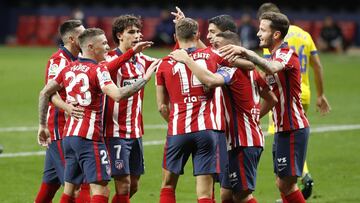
(97,160)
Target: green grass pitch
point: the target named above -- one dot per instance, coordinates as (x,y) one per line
(333,157)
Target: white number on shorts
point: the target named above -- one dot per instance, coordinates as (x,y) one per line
(118,150)
(103,157)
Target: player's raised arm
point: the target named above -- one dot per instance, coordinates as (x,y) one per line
(205,76)
(267,66)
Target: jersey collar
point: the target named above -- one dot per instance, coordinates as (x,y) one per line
(190,50)
(68,53)
(119,53)
(85,60)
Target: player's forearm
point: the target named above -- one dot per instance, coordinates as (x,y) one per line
(114,65)
(128,91)
(205,76)
(269,67)
(318,75)
(58,102)
(243,64)
(43,107)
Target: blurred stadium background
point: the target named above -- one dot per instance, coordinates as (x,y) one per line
(28,36)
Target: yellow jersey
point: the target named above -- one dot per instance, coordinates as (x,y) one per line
(302,43)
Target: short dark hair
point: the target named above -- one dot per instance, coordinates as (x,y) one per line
(122,22)
(224,23)
(231,37)
(89,33)
(68,26)
(186,29)
(267,7)
(279,22)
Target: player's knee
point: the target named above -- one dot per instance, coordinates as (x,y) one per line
(225,194)
(243,196)
(100,188)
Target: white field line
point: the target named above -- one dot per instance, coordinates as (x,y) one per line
(325,128)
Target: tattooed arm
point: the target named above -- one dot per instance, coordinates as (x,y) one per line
(44,97)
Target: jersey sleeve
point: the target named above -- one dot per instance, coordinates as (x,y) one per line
(148,60)
(260,80)
(103,76)
(114,65)
(159,74)
(227,73)
(283,56)
(313,49)
(55,66)
(59,77)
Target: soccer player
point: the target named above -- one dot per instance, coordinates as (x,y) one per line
(53,175)
(302,43)
(123,120)
(242,90)
(291,124)
(193,125)
(85,82)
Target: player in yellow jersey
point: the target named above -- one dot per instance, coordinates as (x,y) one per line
(302,43)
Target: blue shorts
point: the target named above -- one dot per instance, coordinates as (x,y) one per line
(126,156)
(224,160)
(289,152)
(85,157)
(202,145)
(243,163)
(54,163)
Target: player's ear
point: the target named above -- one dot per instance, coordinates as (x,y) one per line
(197,36)
(277,35)
(119,36)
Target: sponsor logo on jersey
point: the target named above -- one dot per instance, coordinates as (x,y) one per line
(128,82)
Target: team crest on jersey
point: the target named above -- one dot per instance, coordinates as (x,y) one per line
(119,164)
(53,69)
(140,67)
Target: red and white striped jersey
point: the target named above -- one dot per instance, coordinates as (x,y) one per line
(288,113)
(193,107)
(242,106)
(124,118)
(83,80)
(56,117)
